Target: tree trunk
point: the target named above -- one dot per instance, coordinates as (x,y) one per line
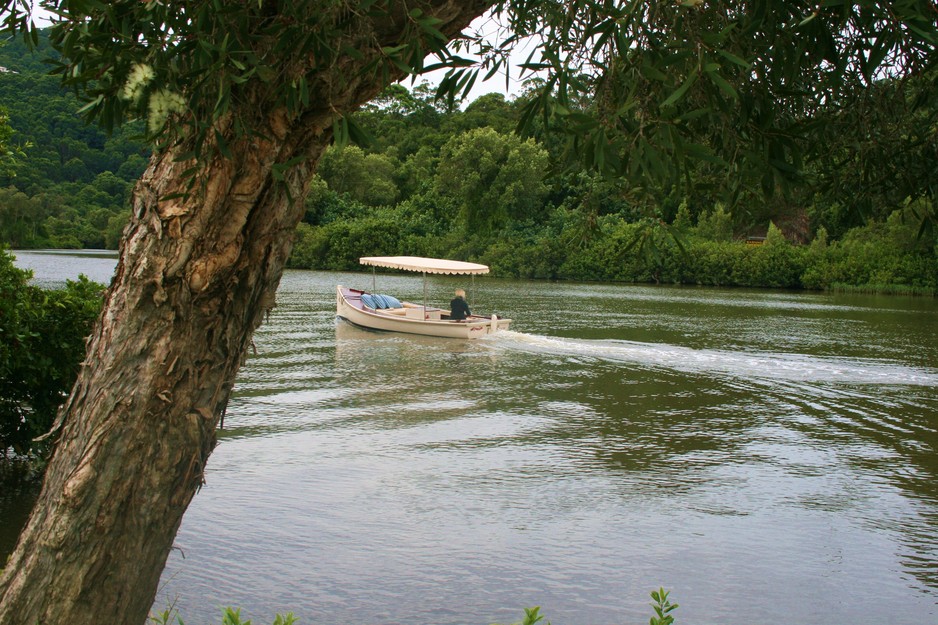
(194,279)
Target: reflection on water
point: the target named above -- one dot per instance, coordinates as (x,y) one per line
(768,457)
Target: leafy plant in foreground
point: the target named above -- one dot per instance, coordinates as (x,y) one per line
(663,608)
(231,616)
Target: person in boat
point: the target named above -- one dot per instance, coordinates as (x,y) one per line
(458,308)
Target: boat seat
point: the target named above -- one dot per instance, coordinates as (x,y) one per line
(394,311)
(428,314)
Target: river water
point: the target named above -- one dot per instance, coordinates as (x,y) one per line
(769,457)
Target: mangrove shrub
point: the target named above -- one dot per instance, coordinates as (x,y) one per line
(42,343)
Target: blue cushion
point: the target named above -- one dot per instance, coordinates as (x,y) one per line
(392,301)
(368,300)
(380,302)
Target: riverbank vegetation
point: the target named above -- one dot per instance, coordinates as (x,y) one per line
(442,181)
(662,607)
(42,343)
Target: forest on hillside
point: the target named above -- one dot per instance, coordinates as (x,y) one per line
(71,186)
(428,178)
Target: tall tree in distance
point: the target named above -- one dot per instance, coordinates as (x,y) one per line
(505,182)
(241,99)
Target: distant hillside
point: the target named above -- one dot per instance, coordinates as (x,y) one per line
(75,179)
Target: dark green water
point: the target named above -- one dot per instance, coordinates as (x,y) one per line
(769,457)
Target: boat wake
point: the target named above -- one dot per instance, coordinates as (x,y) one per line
(752,365)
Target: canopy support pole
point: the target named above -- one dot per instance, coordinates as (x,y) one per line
(374,279)
(424,294)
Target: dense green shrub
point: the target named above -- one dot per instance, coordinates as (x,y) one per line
(716,225)
(887,256)
(42,343)
(776,264)
(890,256)
(714,262)
(530,259)
(338,245)
(624,252)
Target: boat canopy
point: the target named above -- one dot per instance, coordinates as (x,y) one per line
(427,265)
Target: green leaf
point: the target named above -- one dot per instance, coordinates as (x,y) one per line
(695,114)
(680,91)
(784,166)
(352,52)
(458,61)
(340,133)
(92,104)
(876,56)
(222,145)
(401,65)
(359,134)
(651,72)
(304,91)
(732,58)
(266,73)
(703,152)
(429,24)
(393,50)
(808,19)
(721,82)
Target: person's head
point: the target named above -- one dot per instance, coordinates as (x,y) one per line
(460,293)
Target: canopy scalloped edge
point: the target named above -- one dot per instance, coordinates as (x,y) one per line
(428,265)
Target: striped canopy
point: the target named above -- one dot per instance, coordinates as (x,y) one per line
(428,265)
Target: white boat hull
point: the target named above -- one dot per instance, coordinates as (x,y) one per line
(412,319)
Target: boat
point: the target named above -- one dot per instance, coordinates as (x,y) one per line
(378,311)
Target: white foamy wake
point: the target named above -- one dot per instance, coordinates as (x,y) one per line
(751,365)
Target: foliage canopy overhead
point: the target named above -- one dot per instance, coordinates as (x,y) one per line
(643,88)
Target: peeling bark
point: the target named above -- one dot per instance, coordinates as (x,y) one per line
(194,279)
